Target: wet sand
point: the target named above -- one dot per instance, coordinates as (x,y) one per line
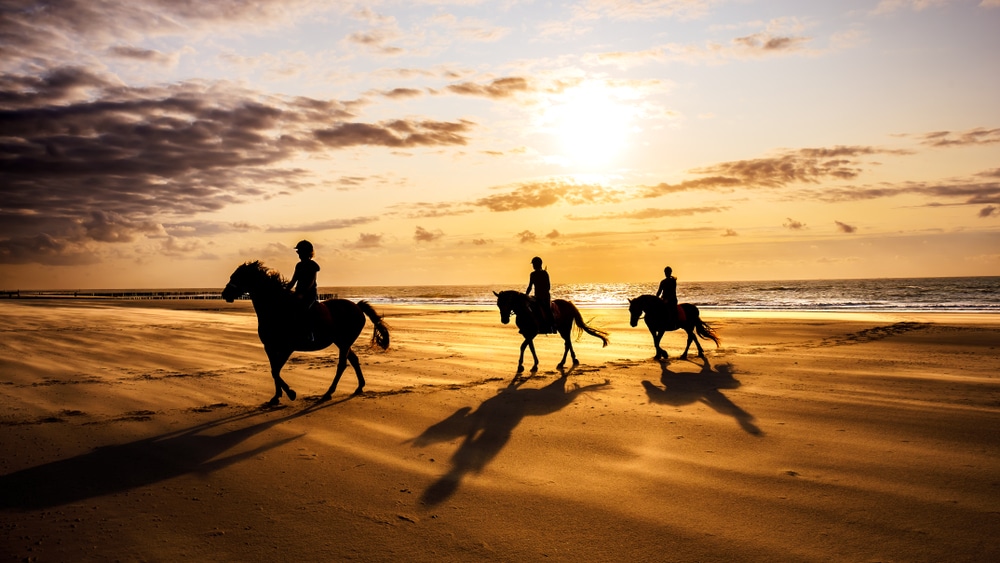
(135,431)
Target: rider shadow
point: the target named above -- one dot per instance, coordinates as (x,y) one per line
(488,429)
(703,387)
(115,469)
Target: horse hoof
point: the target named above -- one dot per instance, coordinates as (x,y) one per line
(561,366)
(576,362)
(325,398)
(684,356)
(520,369)
(273,402)
(358,391)
(291,394)
(534,369)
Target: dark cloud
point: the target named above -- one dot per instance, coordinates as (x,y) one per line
(730,233)
(544,194)
(75,143)
(481,241)
(793,225)
(845,228)
(527,236)
(499,88)
(553,235)
(423,235)
(989,211)
(44,249)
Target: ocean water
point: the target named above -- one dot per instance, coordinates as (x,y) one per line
(967,294)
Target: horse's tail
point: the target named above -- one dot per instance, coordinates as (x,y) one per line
(582,326)
(380,336)
(704,329)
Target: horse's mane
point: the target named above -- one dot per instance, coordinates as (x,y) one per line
(271,277)
(649,298)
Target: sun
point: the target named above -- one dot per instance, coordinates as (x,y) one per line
(591,122)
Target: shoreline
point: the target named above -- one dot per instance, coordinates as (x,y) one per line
(244,306)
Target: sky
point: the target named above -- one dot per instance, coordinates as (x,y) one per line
(161,143)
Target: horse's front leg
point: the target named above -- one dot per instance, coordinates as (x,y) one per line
(528,343)
(341,366)
(277,359)
(660,352)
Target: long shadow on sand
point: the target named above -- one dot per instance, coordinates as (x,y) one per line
(113,469)
(488,429)
(703,387)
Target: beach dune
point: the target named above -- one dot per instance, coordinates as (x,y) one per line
(136,431)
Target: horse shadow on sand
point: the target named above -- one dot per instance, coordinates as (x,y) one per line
(120,468)
(488,429)
(685,388)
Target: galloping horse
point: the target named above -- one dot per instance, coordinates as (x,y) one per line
(564,314)
(658,323)
(281,330)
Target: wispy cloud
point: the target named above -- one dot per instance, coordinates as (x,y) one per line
(366,241)
(330,225)
(651,213)
(544,194)
(977,136)
(498,88)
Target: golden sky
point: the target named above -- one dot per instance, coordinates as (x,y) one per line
(151,143)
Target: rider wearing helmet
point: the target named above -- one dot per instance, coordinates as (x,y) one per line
(539,279)
(303,284)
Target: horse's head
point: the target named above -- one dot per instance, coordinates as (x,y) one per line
(247,278)
(505,302)
(634,311)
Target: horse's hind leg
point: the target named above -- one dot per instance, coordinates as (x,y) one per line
(341,366)
(692,338)
(356,364)
(567,349)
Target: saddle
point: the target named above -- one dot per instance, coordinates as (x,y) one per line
(679,318)
(545,326)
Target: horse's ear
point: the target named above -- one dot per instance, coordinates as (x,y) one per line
(629,301)
(497,294)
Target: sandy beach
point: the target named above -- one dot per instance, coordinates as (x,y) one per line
(134,431)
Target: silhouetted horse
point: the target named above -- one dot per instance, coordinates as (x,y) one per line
(659,322)
(564,314)
(280,324)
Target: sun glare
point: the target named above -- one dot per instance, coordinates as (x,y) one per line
(591,123)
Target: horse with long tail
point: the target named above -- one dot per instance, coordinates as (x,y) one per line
(282,328)
(659,322)
(564,313)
